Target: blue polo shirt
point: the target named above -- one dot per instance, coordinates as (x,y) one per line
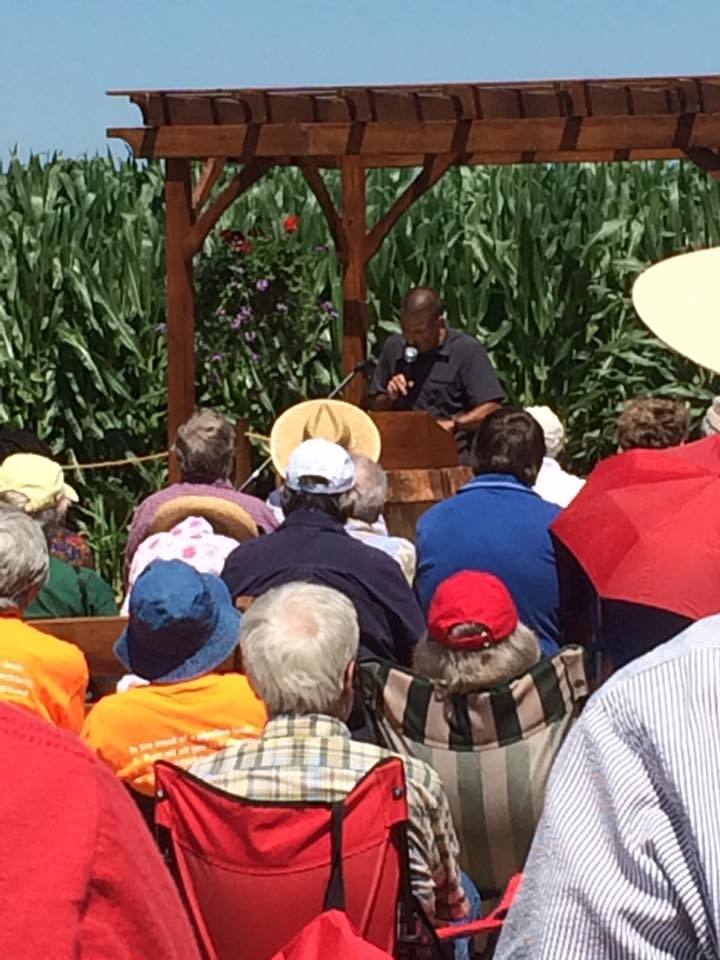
(498,525)
(315,548)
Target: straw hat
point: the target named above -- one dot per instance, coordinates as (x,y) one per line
(226,517)
(679,300)
(334,420)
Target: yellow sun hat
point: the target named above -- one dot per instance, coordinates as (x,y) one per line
(37,478)
(333,420)
(679,300)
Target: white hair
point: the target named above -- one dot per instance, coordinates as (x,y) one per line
(469,671)
(297,642)
(371,487)
(24,560)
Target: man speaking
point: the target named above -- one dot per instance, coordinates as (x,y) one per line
(432,367)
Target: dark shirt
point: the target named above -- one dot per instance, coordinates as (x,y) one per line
(498,525)
(314,548)
(453,378)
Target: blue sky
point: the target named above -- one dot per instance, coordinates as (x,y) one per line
(60,56)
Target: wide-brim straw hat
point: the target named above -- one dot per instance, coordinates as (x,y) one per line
(225,517)
(679,300)
(333,420)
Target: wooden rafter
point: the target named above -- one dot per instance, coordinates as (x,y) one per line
(560,135)
(433,170)
(249,175)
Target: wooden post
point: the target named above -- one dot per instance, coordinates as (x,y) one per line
(355,308)
(243,452)
(180,300)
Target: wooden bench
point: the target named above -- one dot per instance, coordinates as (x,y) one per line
(96,637)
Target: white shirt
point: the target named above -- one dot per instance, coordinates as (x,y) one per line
(625,864)
(556,485)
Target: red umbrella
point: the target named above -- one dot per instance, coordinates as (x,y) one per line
(646,528)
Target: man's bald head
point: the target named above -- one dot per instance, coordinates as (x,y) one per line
(423,319)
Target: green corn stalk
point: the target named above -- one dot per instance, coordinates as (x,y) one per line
(536,260)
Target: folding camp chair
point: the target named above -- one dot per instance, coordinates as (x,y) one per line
(254,874)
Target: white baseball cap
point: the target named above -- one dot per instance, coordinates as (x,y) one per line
(552,429)
(319,466)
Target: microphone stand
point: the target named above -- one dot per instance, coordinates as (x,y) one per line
(348,378)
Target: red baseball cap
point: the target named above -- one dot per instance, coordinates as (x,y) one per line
(472,597)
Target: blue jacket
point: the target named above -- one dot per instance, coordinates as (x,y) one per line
(315,548)
(498,525)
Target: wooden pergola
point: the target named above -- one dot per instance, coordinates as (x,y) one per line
(354,129)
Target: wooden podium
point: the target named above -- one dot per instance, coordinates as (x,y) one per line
(421,461)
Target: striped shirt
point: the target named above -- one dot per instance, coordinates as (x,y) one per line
(626,859)
(312,758)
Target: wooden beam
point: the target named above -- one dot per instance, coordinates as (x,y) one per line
(707,160)
(433,170)
(313,177)
(249,175)
(180,300)
(212,171)
(355,308)
(663,132)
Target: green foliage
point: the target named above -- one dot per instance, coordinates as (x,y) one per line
(537,261)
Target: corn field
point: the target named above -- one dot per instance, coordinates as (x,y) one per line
(537,261)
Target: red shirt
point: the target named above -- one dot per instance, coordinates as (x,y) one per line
(80,877)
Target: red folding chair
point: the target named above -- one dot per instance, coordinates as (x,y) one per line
(253,874)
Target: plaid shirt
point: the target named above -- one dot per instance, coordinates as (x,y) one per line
(312,758)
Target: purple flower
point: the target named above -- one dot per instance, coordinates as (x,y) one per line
(262,285)
(281,307)
(161,328)
(328,306)
(237,322)
(255,357)
(216,358)
(250,336)
(245,312)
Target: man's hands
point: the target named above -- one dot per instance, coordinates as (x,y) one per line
(446,424)
(398,386)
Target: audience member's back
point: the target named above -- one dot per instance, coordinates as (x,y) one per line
(80,874)
(312,545)
(486,712)
(37,485)
(497,524)
(205,448)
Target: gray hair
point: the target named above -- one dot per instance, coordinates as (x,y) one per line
(296,642)
(371,487)
(205,445)
(455,671)
(24,560)
(51,519)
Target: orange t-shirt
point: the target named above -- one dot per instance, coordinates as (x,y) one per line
(41,673)
(177,722)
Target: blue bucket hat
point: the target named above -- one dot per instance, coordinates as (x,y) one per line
(182,623)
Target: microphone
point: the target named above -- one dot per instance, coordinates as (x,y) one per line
(410,355)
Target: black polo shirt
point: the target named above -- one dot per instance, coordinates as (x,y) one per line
(453,378)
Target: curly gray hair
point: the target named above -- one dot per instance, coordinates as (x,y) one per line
(469,671)
(205,445)
(24,560)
